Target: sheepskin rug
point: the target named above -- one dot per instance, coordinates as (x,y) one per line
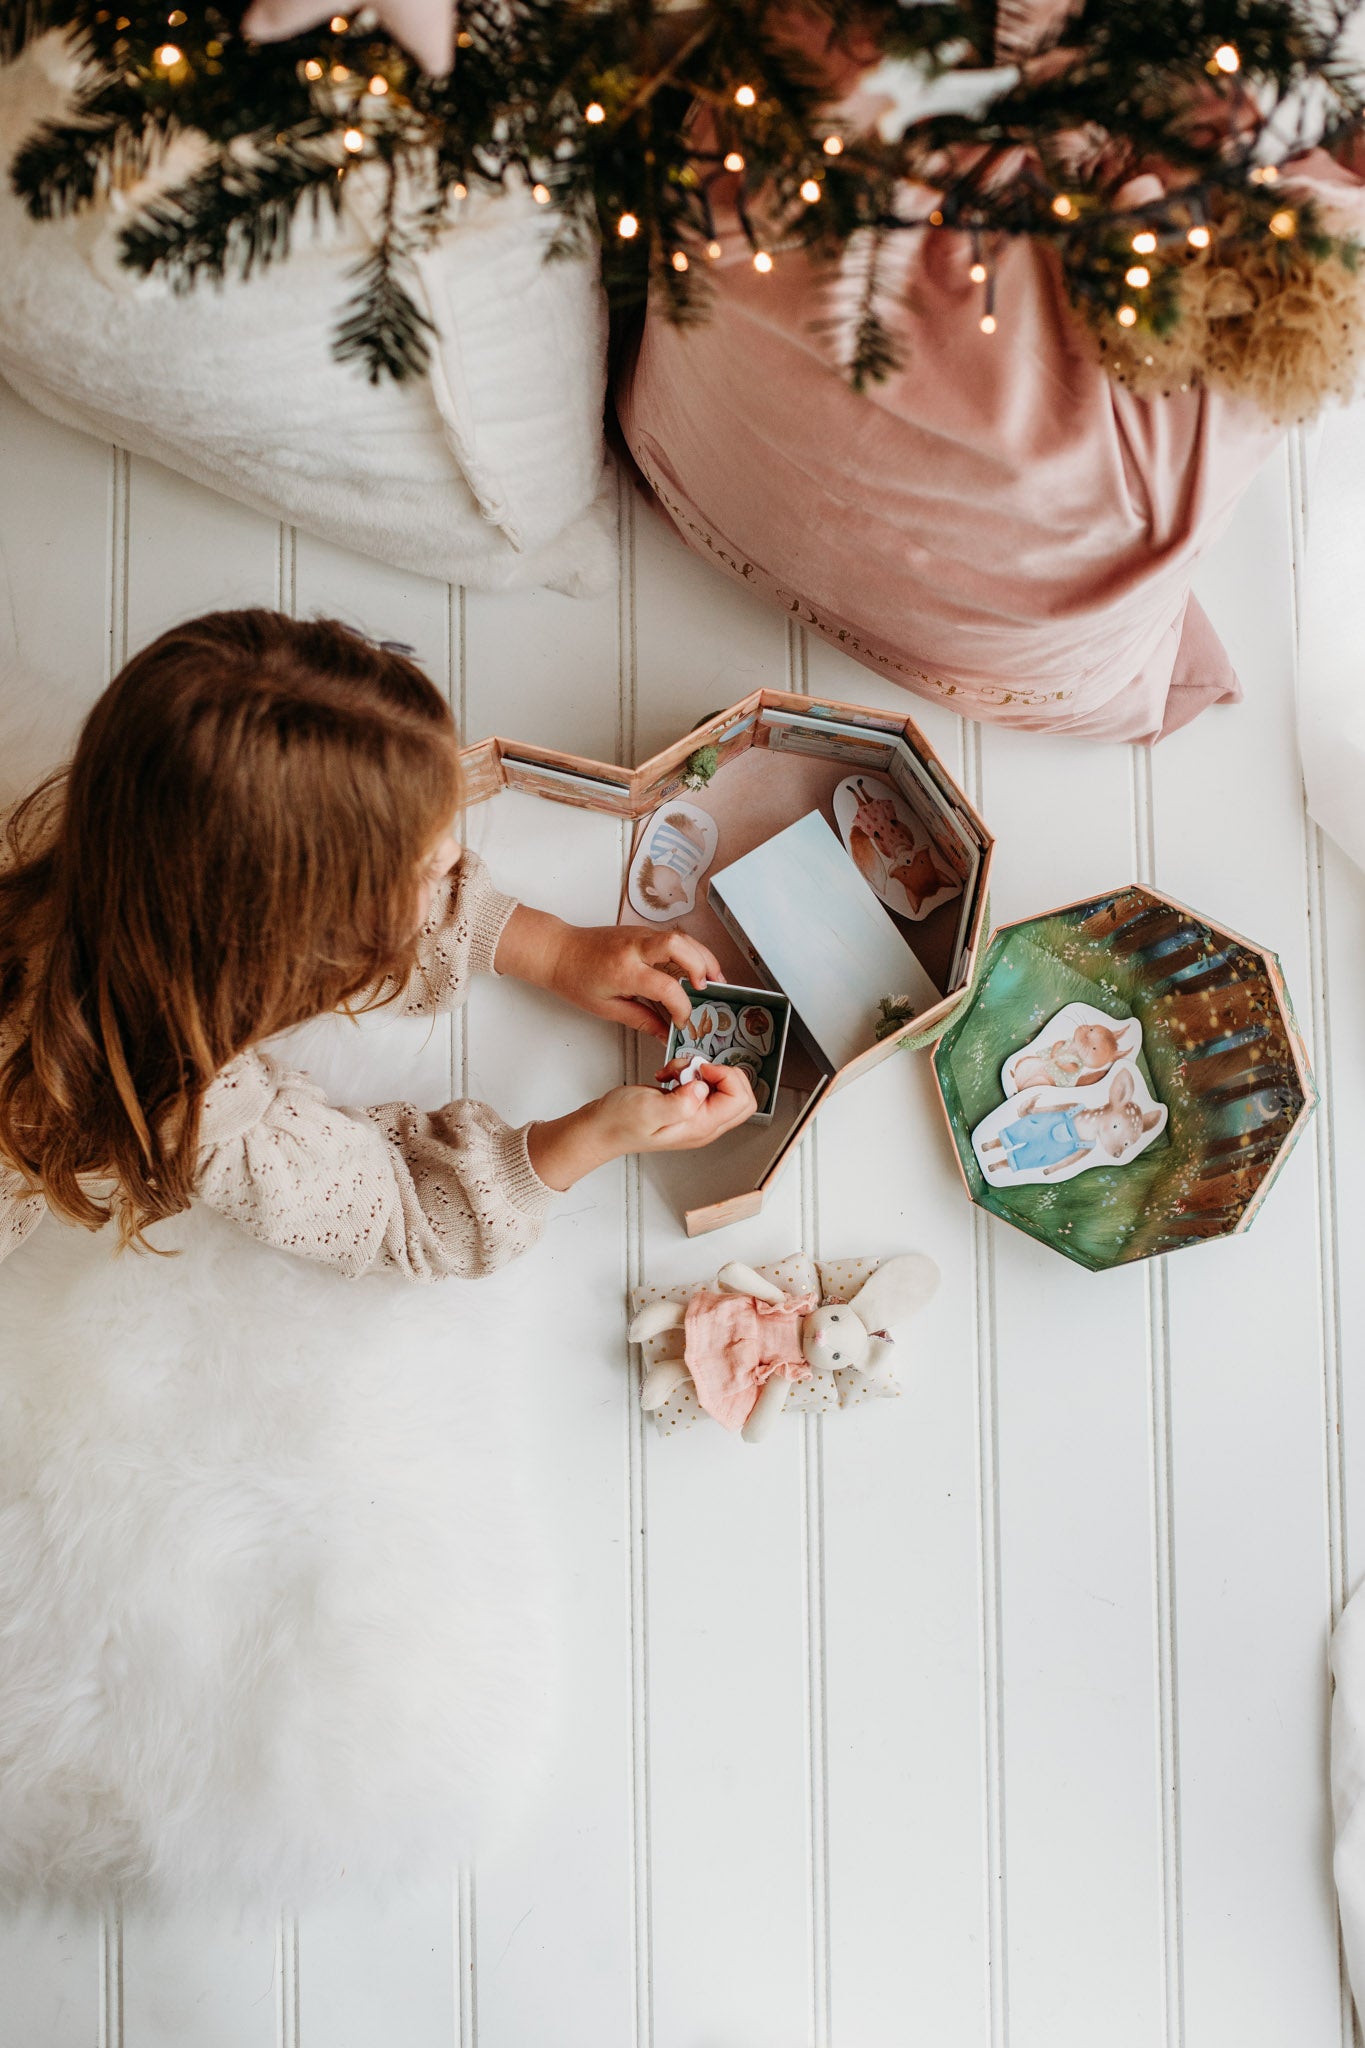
(272,1601)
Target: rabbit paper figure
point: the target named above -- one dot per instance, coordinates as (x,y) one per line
(1037,1139)
(748,1342)
(1078,1061)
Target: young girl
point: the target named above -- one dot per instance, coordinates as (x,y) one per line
(256,828)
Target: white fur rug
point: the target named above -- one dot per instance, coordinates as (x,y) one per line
(271,1601)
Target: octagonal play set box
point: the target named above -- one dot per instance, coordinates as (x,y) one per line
(1120,1077)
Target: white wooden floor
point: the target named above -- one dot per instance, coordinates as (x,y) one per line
(995,1716)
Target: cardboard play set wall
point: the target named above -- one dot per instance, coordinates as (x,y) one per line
(493,765)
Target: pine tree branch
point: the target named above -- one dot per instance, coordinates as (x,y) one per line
(237,214)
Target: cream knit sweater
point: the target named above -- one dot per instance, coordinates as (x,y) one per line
(426,1195)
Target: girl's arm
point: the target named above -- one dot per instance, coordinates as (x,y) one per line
(425,1195)
(612,971)
(619,972)
(455,1191)
(457,941)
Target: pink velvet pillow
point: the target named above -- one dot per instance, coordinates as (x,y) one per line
(999,525)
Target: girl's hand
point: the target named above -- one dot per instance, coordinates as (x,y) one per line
(614,971)
(640,1120)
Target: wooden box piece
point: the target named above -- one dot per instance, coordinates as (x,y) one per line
(1220,1041)
(752,790)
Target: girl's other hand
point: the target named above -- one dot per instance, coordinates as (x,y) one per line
(619,972)
(637,1119)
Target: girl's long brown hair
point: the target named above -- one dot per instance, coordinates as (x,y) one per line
(235,847)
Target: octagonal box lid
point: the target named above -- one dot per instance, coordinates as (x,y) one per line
(1221,1046)
(755,768)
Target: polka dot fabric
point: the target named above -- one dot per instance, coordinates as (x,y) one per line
(832,1279)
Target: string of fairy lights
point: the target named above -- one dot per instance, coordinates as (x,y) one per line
(607,134)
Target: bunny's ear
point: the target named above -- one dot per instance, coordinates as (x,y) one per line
(897,1288)
(1128,1038)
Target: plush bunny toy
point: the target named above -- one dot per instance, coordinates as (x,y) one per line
(747,1342)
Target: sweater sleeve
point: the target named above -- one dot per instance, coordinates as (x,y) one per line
(458,940)
(392,1189)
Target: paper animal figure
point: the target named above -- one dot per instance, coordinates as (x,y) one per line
(676,846)
(1074,1049)
(746,1342)
(1044,1136)
(890,847)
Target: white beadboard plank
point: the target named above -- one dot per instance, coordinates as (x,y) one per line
(548,669)
(1344,895)
(554,1906)
(192,1978)
(728,1675)
(56,557)
(370,1974)
(1084,1926)
(903,1596)
(49,1970)
(908,1885)
(700,641)
(190,551)
(1252,1576)
(330,582)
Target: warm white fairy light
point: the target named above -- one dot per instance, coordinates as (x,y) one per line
(1228,58)
(594,112)
(1198,238)
(679,260)
(168,56)
(1138,276)
(312,69)
(541,194)
(627,226)
(987,323)
(745,96)
(339,24)
(353,140)
(810,191)
(378,86)
(176,16)
(977,273)
(339,74)
(459,191)
(733,160)
(1063,207)
(763,261)
(833,145)
(713,250)
(1127,316)
(1283,223)
(1144,243)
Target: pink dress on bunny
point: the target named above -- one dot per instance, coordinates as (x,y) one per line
(734,1344)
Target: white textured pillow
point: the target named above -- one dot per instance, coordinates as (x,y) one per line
(486,472)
